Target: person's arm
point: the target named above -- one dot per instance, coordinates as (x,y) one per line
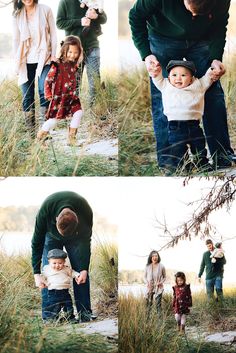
(207,80)
(218,31)
(138,17)
(49,81)
(53,35)
(189,294)
(96,17)
(159,81)
(38,240)
(63,22)
(202,266)
(174,298)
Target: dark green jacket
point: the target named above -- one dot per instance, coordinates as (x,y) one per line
(46,223)
(69,16)
(171,19)
(207,264)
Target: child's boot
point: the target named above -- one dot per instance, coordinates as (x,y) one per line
(42,135)
(30,122)
(72,136)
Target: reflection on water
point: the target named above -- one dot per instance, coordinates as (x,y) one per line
(14,243)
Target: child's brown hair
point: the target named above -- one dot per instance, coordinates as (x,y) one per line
(180,275)
(71,40)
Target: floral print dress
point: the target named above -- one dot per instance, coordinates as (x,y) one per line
(62,89)
(182,299)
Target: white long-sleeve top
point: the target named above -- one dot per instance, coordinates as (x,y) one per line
(183,103)
(58,279)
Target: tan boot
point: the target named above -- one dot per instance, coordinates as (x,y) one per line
(72,136)
(42,135)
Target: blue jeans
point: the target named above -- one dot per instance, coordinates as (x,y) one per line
(82,291)
(58,299)
(214,284)
(92,62)
(28,88)
(182,133)
(215,115)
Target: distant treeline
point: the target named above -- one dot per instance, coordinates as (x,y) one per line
(137,276)
(23,218)
(17,218)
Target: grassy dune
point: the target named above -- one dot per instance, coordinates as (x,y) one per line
(139,333)
(23,156)
(21,328)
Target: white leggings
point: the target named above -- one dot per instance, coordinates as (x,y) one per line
(180,318)
(50,124)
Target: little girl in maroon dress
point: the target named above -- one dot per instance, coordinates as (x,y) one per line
(182,300)
(62,89)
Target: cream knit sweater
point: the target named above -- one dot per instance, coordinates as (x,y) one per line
(183,103)
(58,279)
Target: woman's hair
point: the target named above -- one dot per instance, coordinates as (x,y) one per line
(71,40)
(180,275)
(202,7)
(153,252)
(18,5)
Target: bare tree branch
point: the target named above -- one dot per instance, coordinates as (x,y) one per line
(220,195)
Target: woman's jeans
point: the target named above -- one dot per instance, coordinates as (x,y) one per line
(82,291)
(28,88)
(215,115)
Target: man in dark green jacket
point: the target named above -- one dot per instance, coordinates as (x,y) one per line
(86,24)
(214,276)
(164,30)
(65,219)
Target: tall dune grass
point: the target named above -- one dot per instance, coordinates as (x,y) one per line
(21,328)
(23,156)
(140,332)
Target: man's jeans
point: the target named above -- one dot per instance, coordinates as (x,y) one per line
(182,133)
(92,63)
(215,283)
(215,115)
(28,88)
(82,291)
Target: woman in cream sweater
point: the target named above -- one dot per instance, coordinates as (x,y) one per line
(155,276)
(34,45)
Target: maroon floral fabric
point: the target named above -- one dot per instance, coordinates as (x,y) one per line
(182,299)
(62,89)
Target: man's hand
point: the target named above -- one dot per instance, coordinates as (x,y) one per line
(82,277)
(218,70)
(153,66)
(39,281)
(85,21)
(91,14)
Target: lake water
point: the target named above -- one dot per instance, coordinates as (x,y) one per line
(140,289)
(15,243)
